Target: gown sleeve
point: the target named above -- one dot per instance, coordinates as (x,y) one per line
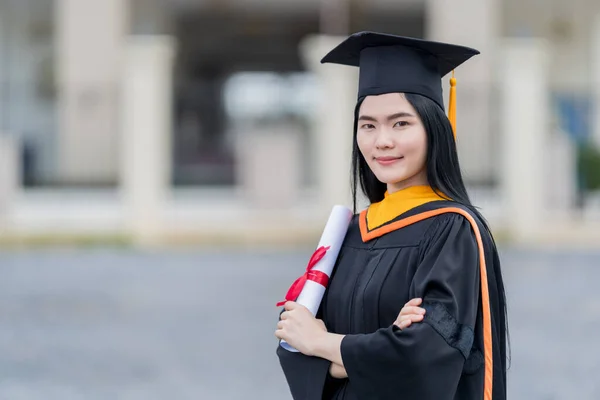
(305,375)
(424,361)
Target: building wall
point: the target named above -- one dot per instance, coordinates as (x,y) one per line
(75,127)
(472,23)
(27,92)
(568,30)
(90,39)
(567,25)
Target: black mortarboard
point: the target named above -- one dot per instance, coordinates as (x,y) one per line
(389,63)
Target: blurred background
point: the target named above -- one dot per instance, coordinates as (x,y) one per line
(167,167)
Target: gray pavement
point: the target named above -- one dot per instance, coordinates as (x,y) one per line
(121,324)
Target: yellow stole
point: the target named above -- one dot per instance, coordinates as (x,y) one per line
(398,203)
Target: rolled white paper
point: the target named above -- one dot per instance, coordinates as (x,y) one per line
(332,237)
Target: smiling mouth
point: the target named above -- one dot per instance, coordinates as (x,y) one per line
(387,160)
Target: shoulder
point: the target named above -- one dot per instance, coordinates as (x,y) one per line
(449,213)
(457,223)
(449,217)
(432,220)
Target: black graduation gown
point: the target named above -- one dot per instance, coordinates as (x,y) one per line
(441,357)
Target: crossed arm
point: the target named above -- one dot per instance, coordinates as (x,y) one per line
(309,335)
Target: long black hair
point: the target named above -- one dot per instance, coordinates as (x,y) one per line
(442,167)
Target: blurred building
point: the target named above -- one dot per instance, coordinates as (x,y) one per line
(240,74)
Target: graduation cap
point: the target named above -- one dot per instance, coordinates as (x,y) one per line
(390,63)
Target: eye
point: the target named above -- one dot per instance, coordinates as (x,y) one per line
(367,126)
(401,124)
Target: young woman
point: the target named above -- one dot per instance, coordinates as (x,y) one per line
(420,239)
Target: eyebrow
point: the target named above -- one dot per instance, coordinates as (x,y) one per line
(389,117)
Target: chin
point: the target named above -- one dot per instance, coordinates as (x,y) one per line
(387,179)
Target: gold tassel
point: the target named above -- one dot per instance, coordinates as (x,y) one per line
(452,104)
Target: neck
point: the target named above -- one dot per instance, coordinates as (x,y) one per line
(396,204)
(419,179)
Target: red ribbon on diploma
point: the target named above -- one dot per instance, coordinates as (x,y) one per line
(316,276)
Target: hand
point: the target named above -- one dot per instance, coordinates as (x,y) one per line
(299,328)
(410,313)
(337,371)
(322,324)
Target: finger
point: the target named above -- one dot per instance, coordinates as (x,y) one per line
(290,305)
(415,318)
(412,318)
(280,325)
(407,310)
(412,310)
(414,302)
(279,334)
(284,315)
(403,324)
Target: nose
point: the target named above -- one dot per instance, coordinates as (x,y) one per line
(384,139)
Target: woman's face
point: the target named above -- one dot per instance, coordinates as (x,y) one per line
(393,141)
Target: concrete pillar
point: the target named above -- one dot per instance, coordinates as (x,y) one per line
(560,169)
(595,71)
(146,134)
(473,23)
(10,175)
(525,122)
(149,17)
(333,128)
(89,38)
(268,167)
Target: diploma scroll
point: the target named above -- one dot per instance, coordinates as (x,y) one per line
(332,238)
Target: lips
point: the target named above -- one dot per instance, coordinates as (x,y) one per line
(387,160)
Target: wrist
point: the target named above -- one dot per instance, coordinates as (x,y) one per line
(327,346)
(319,344)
